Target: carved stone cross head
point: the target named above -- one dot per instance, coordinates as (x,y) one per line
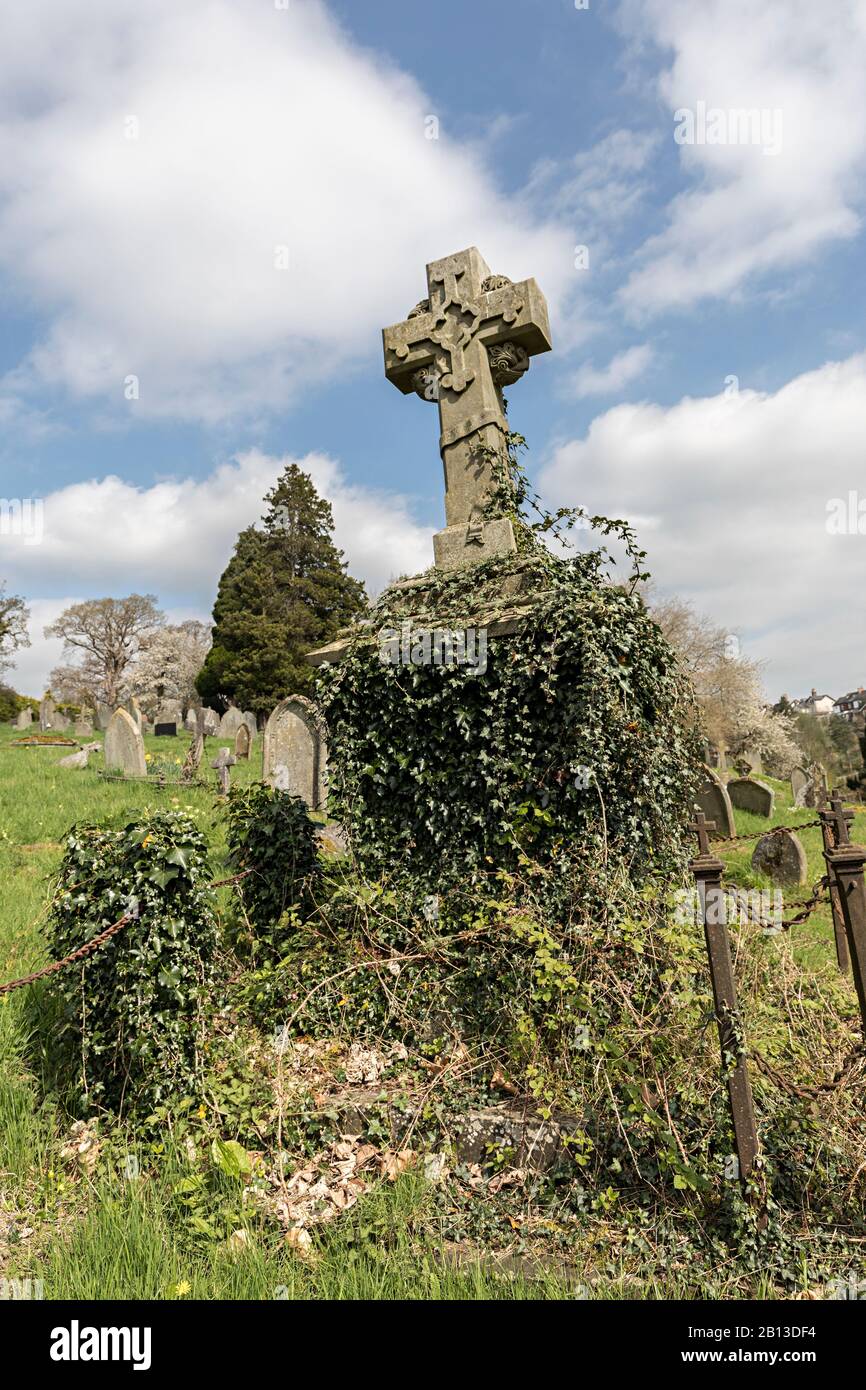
(474,334)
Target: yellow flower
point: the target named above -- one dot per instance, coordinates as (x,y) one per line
(343,1001)
(146,841)
(183,1287)
(201,1112)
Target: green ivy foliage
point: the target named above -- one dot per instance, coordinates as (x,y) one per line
(576,743)
(269,832)
(130,1018)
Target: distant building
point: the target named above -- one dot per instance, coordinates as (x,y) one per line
(821,705)
(852,707)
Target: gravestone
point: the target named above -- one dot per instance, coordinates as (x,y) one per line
(799,781)
(165,730)
(190,720)
(781,857)
(25,718)
(712,798)
(82,728)
(196,747)
(133,709)
(103,716)
(230,722)
(242,742)
(80,758)
(124,746)
(59,722)
(748,794)
(221,763)
(47,709)
(251,722)
(472,335)
(295,750)
(211,722)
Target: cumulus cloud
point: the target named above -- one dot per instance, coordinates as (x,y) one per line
(731,497)
(174,538)
(620,372)
(747,212)
(160,163)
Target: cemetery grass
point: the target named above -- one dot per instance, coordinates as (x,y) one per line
(98,1235)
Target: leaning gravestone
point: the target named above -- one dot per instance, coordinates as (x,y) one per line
(242,742)
(190,721)
(25,718)
(713,800)
(124,746)
(748,794)
(799,781)
(59,722)
(781,857)
(230,722)
(211,721)
(103,716)
(295,750)
(251,722)
(80,758)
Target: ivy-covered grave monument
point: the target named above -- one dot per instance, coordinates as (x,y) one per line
(511,706)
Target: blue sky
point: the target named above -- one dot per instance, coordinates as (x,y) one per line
(708,378)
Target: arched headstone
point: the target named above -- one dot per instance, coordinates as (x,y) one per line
(242,742)
(713,800)
(295,750)
(230,722)
(748,794)
(124,746)
(781,857)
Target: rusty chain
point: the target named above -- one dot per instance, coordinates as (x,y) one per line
(809,905)
(809,1092)
(759,834)
(90,946)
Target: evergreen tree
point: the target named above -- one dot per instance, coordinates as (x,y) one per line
(284,591)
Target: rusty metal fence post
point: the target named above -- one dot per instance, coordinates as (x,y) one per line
(708,878)
(845,862)
(829,835)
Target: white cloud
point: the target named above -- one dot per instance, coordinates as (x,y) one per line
(620,371)
(174,538)
(257,128)
(748,213)
(730,497)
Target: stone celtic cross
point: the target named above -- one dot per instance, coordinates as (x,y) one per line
(474,334)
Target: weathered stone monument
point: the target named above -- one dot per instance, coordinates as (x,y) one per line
(251,722)
(82,728)
(230,722)
(780,855)
(24,719)
(224,760)
(124,746)
(799,781)
(103,716)
(79,759)
(47,710)
(472,335)
(748,794)
(133,709)
(242,742)
(712,798)
(294,758)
